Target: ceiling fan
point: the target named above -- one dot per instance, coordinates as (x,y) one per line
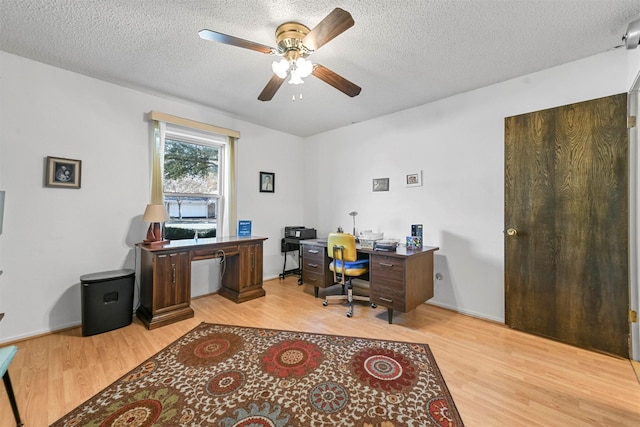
(295,42)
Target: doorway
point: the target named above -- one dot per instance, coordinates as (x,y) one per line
(567,224)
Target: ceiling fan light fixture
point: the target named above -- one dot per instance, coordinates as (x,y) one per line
(304,67)
(294,43)
(280,68)
(295,79)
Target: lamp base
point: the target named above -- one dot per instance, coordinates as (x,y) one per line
(155,242)
(154,235)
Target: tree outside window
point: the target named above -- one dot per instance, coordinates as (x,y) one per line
(191,185)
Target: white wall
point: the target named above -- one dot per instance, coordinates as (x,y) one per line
(458,144)
(53,236)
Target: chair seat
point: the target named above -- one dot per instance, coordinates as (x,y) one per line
(6,356)
(353,268)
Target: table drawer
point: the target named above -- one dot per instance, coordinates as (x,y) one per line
(387,282)
(313,266)
(314,254)
(388,297)
(388,269)
(314,279)
(207,253)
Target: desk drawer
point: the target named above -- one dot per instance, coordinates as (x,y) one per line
(314,267)
(315,271)
(314,279)
(387,282)
(315,254)
(388,297)
(387,269)
(207,253)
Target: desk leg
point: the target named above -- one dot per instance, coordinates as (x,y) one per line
(390,314)
(300,268)
(284,267)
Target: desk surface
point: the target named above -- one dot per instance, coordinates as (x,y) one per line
(195,244)
(400,252)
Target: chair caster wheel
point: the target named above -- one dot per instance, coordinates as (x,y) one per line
(325,303)
(374,305)
(349,314)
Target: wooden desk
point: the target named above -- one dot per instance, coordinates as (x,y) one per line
(165,275)
(400,280)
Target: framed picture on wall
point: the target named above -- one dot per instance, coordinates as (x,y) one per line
(380,184)
(413,179)
(63,173)
(267,182)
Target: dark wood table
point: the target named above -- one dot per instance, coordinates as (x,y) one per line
(399,280)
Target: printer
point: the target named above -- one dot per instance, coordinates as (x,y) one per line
(299,232)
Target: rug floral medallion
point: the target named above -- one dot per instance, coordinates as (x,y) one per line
(226,375)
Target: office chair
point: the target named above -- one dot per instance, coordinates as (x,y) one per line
(345,265)
(6,356)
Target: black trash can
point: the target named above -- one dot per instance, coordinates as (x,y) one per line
(107,300)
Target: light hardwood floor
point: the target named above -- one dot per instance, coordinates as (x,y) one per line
(497,376)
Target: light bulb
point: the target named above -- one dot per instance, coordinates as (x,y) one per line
(280,68)
(304,67)
(295,78)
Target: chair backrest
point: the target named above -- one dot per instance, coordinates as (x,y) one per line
(347,241)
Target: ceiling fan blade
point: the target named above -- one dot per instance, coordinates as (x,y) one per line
(334,24)
(235,41)
(336,80)
(271,88)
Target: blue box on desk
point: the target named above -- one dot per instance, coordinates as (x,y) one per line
(244,228)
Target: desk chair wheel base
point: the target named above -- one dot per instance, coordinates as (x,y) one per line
(345,265)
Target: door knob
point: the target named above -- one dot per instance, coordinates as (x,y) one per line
(512,231)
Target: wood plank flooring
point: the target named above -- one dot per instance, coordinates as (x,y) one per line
(497,376)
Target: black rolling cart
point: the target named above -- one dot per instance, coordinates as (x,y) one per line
(291,243)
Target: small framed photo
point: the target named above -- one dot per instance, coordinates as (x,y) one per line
(413,179)
(267,182)
(380,184)
(63,173)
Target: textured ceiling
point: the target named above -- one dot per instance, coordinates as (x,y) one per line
(403,53)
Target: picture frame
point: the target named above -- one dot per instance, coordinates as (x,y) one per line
(267,182)
(62,172)
(380,184)
(413,179)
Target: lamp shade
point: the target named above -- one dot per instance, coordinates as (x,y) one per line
(155,213)
(280,68)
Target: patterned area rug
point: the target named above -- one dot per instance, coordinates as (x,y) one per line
(235,376)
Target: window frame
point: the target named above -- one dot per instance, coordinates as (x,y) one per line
(197,137)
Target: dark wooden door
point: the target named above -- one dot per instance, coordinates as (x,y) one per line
(566,224)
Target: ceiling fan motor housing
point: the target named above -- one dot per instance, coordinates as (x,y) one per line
(289,40)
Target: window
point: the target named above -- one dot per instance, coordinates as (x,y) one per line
(198,189)
(192,183)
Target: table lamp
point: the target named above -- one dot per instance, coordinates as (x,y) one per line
(353,214)
(155,215)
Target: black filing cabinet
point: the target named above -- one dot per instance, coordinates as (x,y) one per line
(107,300)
